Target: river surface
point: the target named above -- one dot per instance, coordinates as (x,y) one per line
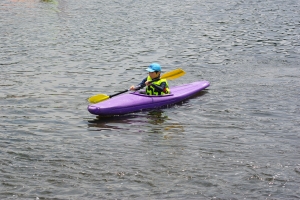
(238,139)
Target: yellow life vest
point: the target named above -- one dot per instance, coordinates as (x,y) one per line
(150,90)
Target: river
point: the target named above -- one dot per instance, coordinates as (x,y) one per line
(238,139)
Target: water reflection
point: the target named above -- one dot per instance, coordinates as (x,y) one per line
(155,121)
(153,117)
(105,122)
(156,117)
(161,124)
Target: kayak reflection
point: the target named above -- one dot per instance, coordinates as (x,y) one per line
(153,117)
(156,117)
(108,122)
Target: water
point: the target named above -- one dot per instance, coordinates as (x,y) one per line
(239,139)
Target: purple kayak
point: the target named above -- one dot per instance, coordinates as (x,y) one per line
(135,101)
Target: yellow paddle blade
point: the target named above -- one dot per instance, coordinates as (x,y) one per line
(97,98)
(173,74)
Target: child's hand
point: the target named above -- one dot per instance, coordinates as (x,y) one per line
(148,83)
(132,87)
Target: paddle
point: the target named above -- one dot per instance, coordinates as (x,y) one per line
(169,75)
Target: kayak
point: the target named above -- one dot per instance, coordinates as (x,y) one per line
(137,101)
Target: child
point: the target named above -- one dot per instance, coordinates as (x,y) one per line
(155,85)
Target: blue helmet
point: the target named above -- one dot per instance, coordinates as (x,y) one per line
(154,67)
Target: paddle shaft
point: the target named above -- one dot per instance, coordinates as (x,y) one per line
(110,96)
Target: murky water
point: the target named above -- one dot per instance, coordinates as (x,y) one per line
(239,139)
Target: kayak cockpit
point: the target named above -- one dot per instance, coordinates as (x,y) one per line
(143,94)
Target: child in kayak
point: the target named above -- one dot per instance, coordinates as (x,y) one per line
(154,85)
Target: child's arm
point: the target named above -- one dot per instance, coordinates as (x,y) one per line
(139,86)
(142,84)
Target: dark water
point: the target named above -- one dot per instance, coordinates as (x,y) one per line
(237,140)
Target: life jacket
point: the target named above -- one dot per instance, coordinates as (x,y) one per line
(150,90)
